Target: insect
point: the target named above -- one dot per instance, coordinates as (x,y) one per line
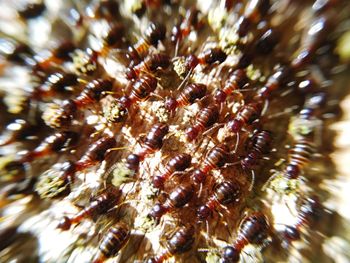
(246,115)
(154,33)
(178,163)
(267,42)
(235,82)
(115,239)
(188,95)
(100,205)
(92,92)
(151,63)
(298,157)
(253,13)
(152,143)
(310,212)
(278,79)
(207,57)
(141,90)
(260,145)
(55,83)
(18,130)
(184,28)
(205,118)
(254,230)
(115,34)
(54,143)
(178,198)
(113,38)
(179,242)
(216,157)
(225,193)
(61,53)
(31,10)
(95,153)
(315,36)
(16,52)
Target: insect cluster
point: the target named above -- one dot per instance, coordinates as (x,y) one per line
(169,130)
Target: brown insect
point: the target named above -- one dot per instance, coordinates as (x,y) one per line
(235,82)
(253,13)
(179,242)
(154,33)
(216,157)
(115,239)
(178,198)
(151,63)
(254,230)
(18,130)
(224,193)
(188,96)
(52,144)
(310,212)
(246,115)
(108,199)
(152,143)
(205,118)
(178,163)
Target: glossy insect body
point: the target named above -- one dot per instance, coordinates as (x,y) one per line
(141,90)
(152,143)
(51,144)
(18,130)
(277,80)
(32,10)
(211,56)
(254,230)
(246,115)
(299,156)
(224,193)
(115,34)
(216,157)
(96,153)
(316,34)
(115,239)
(153,34)
(179,242)
(260,145)
(16,52)
(56,83)
(183,29)
(93,92)
(178,163)
(207,57)
(154,139)
(204,119)
(178,198)
(309,213)
(253,13)
(267,41)
(58,55)
(236,81)
(150,65)
(188,96)
(102,204)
